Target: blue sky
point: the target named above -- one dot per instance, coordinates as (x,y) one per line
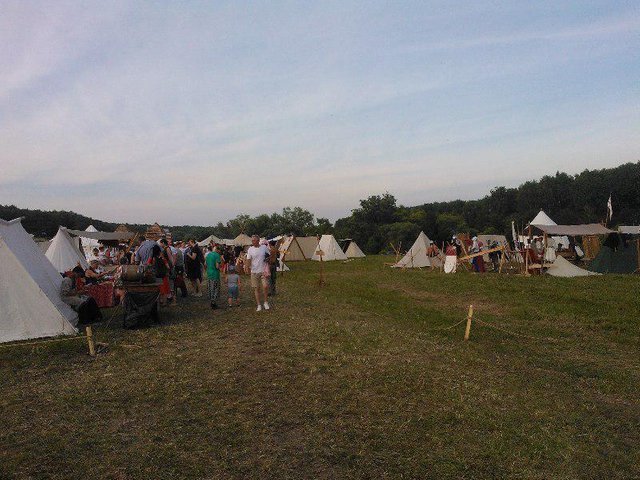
(194,112)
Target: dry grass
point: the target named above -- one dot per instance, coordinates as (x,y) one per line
(357,380)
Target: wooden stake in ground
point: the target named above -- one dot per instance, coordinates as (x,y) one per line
(92,346)
(467,330)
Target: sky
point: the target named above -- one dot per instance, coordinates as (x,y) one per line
(195,112)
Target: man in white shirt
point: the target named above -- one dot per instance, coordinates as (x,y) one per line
(258,256)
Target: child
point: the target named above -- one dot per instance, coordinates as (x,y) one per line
(233,286)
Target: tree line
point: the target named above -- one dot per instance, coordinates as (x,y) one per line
(379,221)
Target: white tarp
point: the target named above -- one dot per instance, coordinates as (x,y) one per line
(330,249)
(418,254)
(353,250)
(30,302)
(64,254)
(564,268)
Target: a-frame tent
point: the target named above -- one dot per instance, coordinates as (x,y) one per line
(418,254)
(208,240)
(242,240)
(291,250)
(308,245)
(88,244)
(330,249)
(63,252)
(30,302)
(353,250)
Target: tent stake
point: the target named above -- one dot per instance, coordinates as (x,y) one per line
(92,346)
(467,330)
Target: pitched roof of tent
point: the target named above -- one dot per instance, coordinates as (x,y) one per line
(417,256)
(30,303)
(63,253)
(353,250)
(242,240)
(330,249)
(208,240)
(291,249)
(542,219)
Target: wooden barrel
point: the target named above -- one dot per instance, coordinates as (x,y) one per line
(130,273)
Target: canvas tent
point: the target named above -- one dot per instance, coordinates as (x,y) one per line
(330,249)
(308,245)
(64,254)
(291,250)
(208,240)
(541,219)
(564,268)
(88,244)
(618,254)
(353,250)
(418,255)
(30,303)
(242,240)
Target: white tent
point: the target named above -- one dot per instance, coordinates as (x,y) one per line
(291,250)
(418,254)
(242,240)
(564,268)
(308,245)
(330,249)
(208,240)
(353,250)
(542,219)
(88,244)
(30,303)
(63,253)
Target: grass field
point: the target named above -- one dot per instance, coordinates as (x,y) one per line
(358,379)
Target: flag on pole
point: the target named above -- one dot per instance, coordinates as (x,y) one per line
(609,208)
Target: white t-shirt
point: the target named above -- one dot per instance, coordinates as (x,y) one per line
(257,255)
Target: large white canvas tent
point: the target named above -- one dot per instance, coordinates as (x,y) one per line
(30,303)
(564,268)
(308,245)
(353,250)
(291,250)
(208,240)
(418,254)
(64,254)
(330,249)
(544,220)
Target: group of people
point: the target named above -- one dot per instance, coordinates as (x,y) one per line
(172,261)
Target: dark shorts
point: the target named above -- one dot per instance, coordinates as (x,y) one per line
(233,292)
(194,272)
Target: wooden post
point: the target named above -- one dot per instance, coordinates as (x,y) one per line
(467,330)
(502,259)
(92,346)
